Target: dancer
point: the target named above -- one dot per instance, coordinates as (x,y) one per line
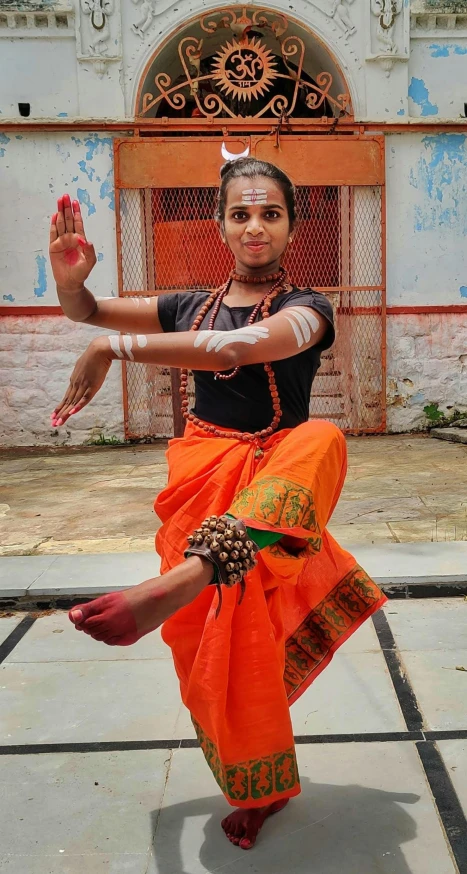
(255,594)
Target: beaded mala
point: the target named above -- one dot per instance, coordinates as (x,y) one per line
(263,306)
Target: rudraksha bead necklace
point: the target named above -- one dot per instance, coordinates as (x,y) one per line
(264,306)
(254,280)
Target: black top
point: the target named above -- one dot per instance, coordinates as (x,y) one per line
(244,402)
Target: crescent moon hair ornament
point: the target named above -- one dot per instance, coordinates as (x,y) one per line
(230,156)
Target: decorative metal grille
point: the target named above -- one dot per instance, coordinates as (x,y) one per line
(169,241)
(258,70)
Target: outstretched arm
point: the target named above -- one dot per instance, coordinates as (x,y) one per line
(72,258)
(285,334)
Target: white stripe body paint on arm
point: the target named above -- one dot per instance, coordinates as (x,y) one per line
(216,340)
(141,340)
(114,340)
(128,346)
(304,323)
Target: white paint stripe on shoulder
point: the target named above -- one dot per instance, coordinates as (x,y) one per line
(296,329)
(312,320)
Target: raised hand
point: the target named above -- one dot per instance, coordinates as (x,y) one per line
(71,256)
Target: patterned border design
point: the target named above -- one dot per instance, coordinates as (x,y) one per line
(255,779)
(332,618)
(281,503)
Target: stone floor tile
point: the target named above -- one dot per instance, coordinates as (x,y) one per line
(367,804)
(441,690)
(428,624)
(413,562)
(80,812)
(90,574)
(98,863)
(76,702)
(353,532)
(96,545)
(55,639)
(354,694)
(379,509)
(436,530)
(8,624)
(454,753)
(19,572)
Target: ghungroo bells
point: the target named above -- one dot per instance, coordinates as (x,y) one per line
(225,543)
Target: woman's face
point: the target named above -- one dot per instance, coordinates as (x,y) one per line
(256,226)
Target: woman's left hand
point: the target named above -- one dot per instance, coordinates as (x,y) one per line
(87,378)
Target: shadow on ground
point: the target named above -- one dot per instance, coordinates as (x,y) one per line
(328,828)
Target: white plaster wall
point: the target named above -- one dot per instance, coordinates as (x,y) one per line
(40,73)
(438,77)
(37,356)
(34,170)
(426,219)
(427,363)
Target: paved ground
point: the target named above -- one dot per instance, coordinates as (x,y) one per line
(399,489)
(121,789)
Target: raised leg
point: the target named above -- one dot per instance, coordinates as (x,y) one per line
(122,618)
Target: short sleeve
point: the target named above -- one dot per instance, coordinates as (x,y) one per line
(308,298)
(167,310)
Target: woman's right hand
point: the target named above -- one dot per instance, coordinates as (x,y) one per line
(71,256)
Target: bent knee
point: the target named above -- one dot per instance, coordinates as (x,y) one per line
(322,430)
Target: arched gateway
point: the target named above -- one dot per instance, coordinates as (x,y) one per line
(255,79)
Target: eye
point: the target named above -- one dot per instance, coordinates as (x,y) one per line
(240,215)
(272,214)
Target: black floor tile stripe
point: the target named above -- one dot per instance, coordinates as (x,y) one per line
(444,795)
(192,743)
(16,635)
(405,694)
(446,800)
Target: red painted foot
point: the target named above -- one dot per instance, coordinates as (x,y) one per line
(108,619)
(243,826)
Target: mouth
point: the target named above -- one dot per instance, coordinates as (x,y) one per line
(256,247)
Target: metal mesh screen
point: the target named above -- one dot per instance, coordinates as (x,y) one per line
(169,241)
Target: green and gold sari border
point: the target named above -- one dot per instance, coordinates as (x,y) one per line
(327,626)
(253,782)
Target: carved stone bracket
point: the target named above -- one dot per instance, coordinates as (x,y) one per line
(99,33)
(388,30)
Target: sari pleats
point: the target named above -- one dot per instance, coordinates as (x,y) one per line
(239,673)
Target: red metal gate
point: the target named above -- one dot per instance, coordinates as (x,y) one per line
(166,191)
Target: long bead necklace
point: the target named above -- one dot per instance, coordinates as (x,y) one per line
(264,306)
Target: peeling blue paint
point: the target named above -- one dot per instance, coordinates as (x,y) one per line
(18,137)
(8,297)
(463,290)
(107,190)
(416,398)
(75,179)
(89,171)
(4,140)
(100,256)
(444,51)
(62,115)
(441,177)
(401,112)
(96,145)
(418,92)
(41,286)
(84,198)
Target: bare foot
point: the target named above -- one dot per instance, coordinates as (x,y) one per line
(122,618)
(243,826)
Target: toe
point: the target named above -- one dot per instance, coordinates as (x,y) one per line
(246,844)
(79,614)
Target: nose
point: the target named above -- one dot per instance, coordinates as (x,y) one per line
(254,226)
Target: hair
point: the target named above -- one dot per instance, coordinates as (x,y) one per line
(251,168)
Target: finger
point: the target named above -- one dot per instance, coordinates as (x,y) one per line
(60,217)
(79,224)
(76,403)
(53,228)
(56,417)
(69,222)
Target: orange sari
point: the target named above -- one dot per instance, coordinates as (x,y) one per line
(239,673)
